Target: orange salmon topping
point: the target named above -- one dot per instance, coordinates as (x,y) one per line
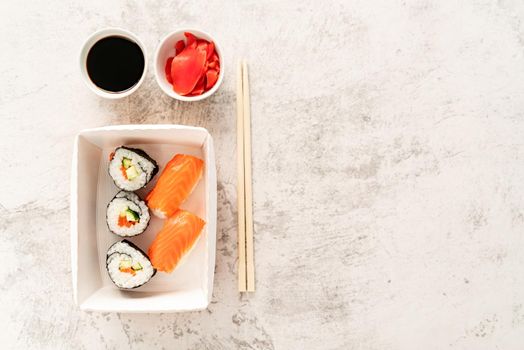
(179,234)
(175,184)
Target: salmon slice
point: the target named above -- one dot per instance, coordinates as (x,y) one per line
(175,184)
(177,237)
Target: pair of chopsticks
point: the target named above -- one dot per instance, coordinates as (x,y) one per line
(246,264)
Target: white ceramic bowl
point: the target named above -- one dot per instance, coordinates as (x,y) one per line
(166,49)
(88,44)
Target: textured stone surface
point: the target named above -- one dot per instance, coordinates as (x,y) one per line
(388,150)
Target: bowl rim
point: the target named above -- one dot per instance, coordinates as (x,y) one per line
(159,73)
(88,44)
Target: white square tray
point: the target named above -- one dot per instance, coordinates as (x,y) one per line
(190,286)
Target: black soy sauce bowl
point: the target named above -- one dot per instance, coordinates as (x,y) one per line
(86,49)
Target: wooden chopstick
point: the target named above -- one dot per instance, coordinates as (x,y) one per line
(242,277)
(250,263)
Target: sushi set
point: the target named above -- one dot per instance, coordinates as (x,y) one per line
(143,197)
(127,215)
(143,213)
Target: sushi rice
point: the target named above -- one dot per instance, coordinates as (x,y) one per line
(131,168)
(127,215)
(128,266)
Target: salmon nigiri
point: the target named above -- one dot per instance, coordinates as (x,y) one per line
(175,184)
(177,237)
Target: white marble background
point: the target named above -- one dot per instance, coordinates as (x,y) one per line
(388,159)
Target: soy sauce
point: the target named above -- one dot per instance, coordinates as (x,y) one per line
(115,64)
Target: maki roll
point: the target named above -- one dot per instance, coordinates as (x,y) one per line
(128,266)
(127,215)
(131,168)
